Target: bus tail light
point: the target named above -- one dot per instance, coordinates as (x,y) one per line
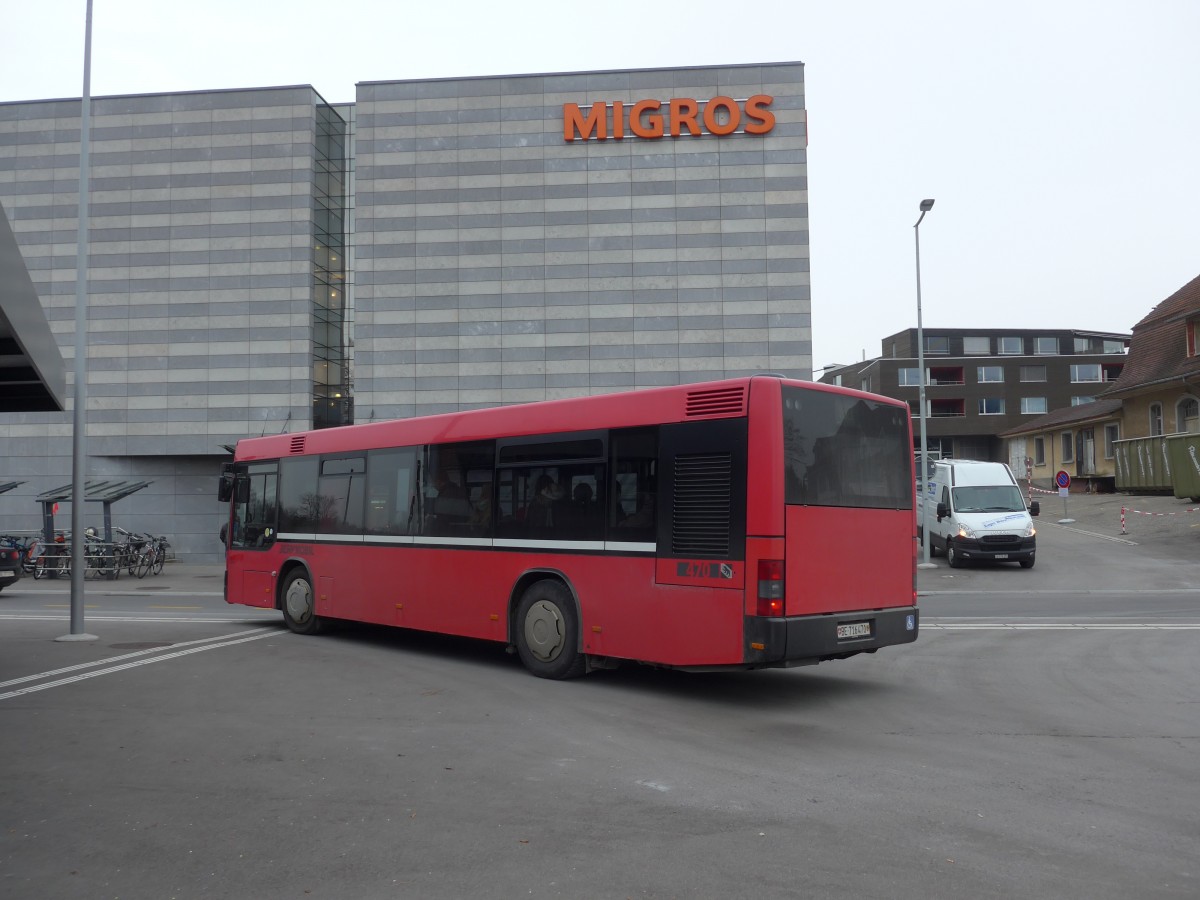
(770,587)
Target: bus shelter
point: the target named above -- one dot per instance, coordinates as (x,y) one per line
(105,493)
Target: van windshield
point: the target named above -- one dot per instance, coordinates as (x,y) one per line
(988,498)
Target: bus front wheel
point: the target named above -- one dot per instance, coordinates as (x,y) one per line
(548,631)
(299,605)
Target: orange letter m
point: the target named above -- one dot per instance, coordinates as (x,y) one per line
(574,122)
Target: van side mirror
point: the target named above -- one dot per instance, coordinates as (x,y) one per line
(1035,508)
(942,512)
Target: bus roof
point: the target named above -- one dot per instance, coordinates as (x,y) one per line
(728,398)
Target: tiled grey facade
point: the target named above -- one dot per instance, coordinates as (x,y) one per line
(498,263)
(200,289)
(488,261)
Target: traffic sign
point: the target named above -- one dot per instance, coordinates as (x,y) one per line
(1062,479)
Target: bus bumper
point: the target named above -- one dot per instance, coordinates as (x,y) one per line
(808,640)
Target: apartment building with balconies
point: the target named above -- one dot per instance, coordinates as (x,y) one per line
(981,382)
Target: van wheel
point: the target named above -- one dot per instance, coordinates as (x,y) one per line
(933,547)
(952,556)
(547,629)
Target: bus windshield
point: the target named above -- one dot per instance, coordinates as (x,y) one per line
(841,450)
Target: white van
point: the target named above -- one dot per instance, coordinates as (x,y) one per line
(974,510)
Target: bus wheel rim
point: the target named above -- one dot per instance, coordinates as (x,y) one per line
(299,601)
(544,629)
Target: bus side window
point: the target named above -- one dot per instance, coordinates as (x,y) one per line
(633,504)
(391,506)
(446,489)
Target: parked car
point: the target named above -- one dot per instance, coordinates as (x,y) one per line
(10,563)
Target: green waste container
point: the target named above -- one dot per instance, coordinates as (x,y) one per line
(1183,451)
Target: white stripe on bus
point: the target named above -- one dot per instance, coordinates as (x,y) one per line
(639,547)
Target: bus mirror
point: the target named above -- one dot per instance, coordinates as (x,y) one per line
(225,485)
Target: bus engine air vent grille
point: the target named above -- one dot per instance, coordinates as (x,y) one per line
(298,443)
(702,518)
(717,402)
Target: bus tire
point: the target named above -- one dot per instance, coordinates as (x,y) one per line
(547,629)
(299,604)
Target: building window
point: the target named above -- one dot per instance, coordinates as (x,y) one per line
(1079,401)
(1039,451)
(991,406)
(1010,346)
(977,346)
(1067,441)
(1112,433)
(1193,337)
(909,377)
(1033,373)
(1033,406)
(1086,372)
(1156,420)
(940,345)
(1187,415)
(989,374)
(865,384)
(1045,346)
(1114,346)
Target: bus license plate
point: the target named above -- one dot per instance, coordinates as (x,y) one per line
(853,630)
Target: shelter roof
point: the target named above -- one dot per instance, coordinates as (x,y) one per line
(99,491)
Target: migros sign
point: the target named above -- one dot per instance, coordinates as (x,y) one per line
(654,119)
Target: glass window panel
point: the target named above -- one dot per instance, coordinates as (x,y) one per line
(977,346)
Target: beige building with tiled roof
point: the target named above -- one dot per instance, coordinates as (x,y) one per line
(1160,384)
(1124,437)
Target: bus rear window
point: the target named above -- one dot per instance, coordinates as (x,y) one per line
(845,451)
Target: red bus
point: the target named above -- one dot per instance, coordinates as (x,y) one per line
(748,523)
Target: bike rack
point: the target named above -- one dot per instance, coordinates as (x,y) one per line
(94,491)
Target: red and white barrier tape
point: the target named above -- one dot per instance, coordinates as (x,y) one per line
(1138,512)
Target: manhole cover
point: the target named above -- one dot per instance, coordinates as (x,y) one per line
(142,645)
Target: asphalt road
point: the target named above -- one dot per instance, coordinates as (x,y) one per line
(1039,739)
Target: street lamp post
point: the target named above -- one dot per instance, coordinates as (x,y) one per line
(926,206)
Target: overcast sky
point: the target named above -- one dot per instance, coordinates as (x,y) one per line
(1060,138)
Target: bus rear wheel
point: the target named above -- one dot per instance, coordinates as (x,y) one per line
(547,629)
(299,605)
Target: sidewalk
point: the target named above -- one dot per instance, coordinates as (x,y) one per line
(1147,517)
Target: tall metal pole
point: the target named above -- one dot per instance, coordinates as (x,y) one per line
(79,428)
(926,205)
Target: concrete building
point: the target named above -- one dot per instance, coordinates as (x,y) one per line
(263,261)
(980,383)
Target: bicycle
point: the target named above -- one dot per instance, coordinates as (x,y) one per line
(54,561)
(128,549)
(153,556)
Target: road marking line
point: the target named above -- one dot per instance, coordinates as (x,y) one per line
(133,665)
(153,606)
(113,659)
(29,617)
(1058,626)
(1106,537)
